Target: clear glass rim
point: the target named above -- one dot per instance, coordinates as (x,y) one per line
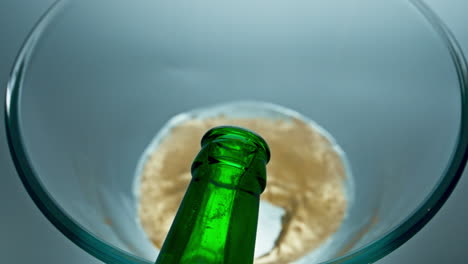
(109,254)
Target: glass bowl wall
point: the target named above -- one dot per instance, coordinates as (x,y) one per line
(96,80)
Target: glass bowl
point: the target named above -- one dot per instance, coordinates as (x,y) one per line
(96,80)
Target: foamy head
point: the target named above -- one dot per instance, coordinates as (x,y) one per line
(308,188)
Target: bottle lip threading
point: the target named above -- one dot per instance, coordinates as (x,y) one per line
(239,133)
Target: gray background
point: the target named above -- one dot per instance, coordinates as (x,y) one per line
(26,236)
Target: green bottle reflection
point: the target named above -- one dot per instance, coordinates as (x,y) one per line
(217,219)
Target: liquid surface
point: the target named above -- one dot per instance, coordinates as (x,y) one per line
(306,179)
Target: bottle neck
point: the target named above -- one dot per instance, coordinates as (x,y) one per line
(217,219)
(219,227)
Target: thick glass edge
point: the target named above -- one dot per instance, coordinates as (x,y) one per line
(110,254)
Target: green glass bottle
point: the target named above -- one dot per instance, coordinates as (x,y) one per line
(217,219)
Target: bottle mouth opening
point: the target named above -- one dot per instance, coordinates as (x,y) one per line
(238,133)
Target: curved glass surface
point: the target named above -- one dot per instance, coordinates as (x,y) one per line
(33,169)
